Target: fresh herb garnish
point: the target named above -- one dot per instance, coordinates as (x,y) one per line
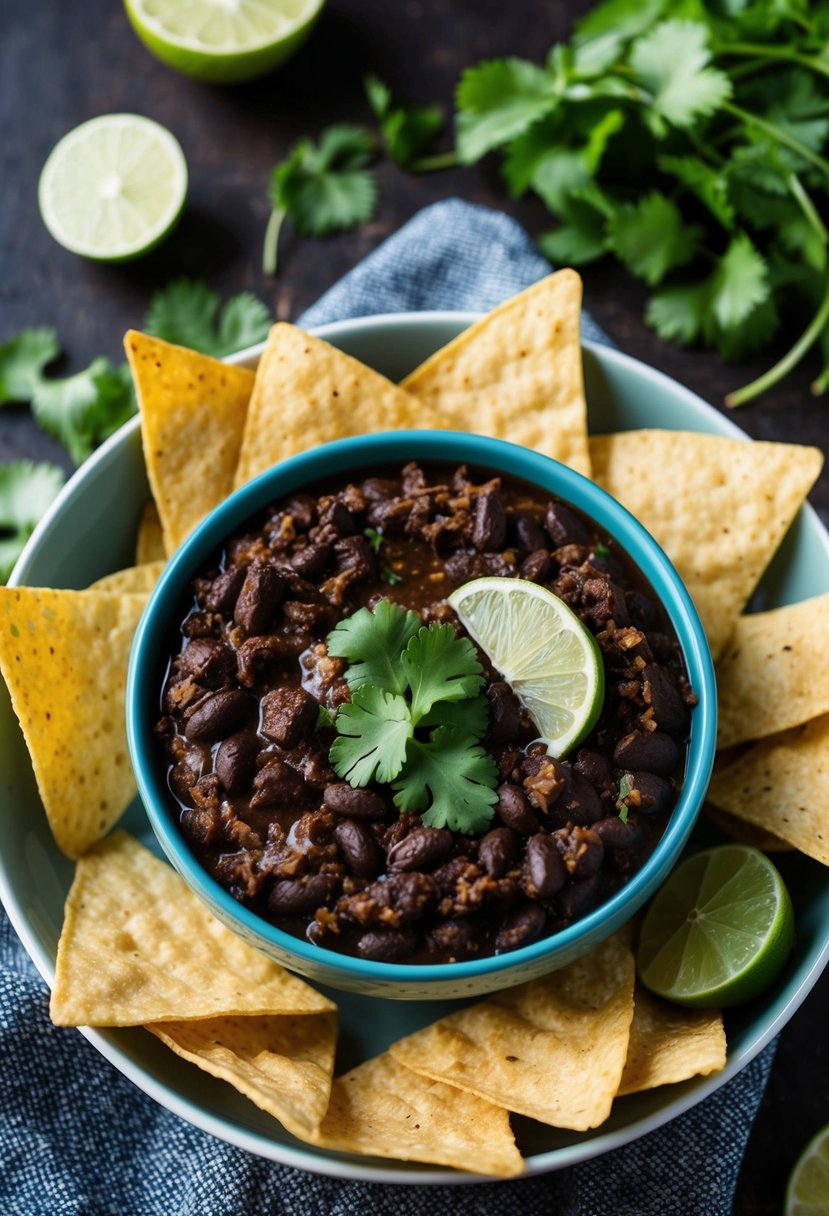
(390,576)
(374,536)
(406,130)
(416,716)
(26,490)
(625,790)
(325,718)
(22,363)
(602,551)
(322,187)
(188,313)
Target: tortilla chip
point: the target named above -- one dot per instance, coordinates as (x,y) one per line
(553,1049)
(774,672)
(134,580)
(283,1064)
(782,785)
(149,543)
(382,1109)
(308,393)
(192,416)
(517,374)
(670,1044)
(744,833)
(64,657)
(138,946)
(718,507)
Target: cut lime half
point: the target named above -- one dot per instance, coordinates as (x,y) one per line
(542,650)
(808,1191)
(223,41)
(719,931)
(113,188)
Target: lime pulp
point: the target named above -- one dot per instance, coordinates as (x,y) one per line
(808,1191)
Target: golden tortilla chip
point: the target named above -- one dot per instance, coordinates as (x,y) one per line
(745,833)
(382,1109)
(553,1049)
(718,507)
(134,580)
(192,416)
(670,1044)
(149,542)
(516,374)
(774,672)
(283,1064)
(308,393)
(64,657)
(782,785)
(138,946)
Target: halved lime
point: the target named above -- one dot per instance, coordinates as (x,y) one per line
(223,41)
(808,1191)
(113,187)
(542,650)
(719,931)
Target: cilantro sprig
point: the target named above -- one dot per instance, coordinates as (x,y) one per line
(26,490)
(416,716)
(188,313)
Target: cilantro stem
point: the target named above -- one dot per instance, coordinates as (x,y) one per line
(806,206)
(819,386)
(789,360)
(428,164)
(763,51)
(272,240)
(778,135)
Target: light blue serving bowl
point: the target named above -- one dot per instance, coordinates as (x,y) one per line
(357,456)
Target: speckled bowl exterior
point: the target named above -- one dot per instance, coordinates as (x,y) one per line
(447,980)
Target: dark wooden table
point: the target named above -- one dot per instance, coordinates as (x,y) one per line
(61,64)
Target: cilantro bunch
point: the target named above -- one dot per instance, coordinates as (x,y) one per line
(690,142)
(416,717)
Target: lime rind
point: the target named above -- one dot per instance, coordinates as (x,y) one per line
(807,1193)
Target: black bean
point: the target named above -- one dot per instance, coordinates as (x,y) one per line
(593,766)
(421,849)
(337,516)
(615,834)
(235,760)
(361,851)
(655,793)
(262,592)
(580,802)
(312,561)
(455,938)
(224,590)
(497,851)
(490,525)
(299,896)
(531,535)
(386,945)
(577,899)
(581,850)
(659,690)
(565,528)
(520,927)
(537,566)
(217,716)
(355,557)
(358,804)
(514,810)
(411,895)
(288,715)
(207,661)
(650,751)
(276,784)
(545,868)
(504,713)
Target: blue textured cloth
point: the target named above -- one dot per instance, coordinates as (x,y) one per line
(78,1139)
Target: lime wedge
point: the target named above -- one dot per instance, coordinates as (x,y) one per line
(222,41)
(543,651)
(808,1191)
(113,188)
(719,930)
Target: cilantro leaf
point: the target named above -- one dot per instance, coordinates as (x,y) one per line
(471,715)
(651,237)
(406,130)
(497,100)
(26,490)
(373,732)
(678,313)
(22,360)
(374,536)
(670,62)
(187,312)
(708,184)
(625,790)
(439,666)
(623,18)
(577,242)
(451,780)
(739,283)
(83,410)
(373,643)
(322,187)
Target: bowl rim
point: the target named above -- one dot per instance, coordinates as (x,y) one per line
(363,452)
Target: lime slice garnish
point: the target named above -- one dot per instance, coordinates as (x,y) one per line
(113,188)
(808,1191)
(719,930)
(222,41)
(542,650)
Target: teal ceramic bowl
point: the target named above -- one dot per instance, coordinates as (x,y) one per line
(357,456)
(90,531)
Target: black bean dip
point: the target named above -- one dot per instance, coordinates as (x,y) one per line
(247,747)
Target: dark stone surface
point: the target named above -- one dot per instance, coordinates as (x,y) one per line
(61,64)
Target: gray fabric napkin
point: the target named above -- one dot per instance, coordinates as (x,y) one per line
(78,1139)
